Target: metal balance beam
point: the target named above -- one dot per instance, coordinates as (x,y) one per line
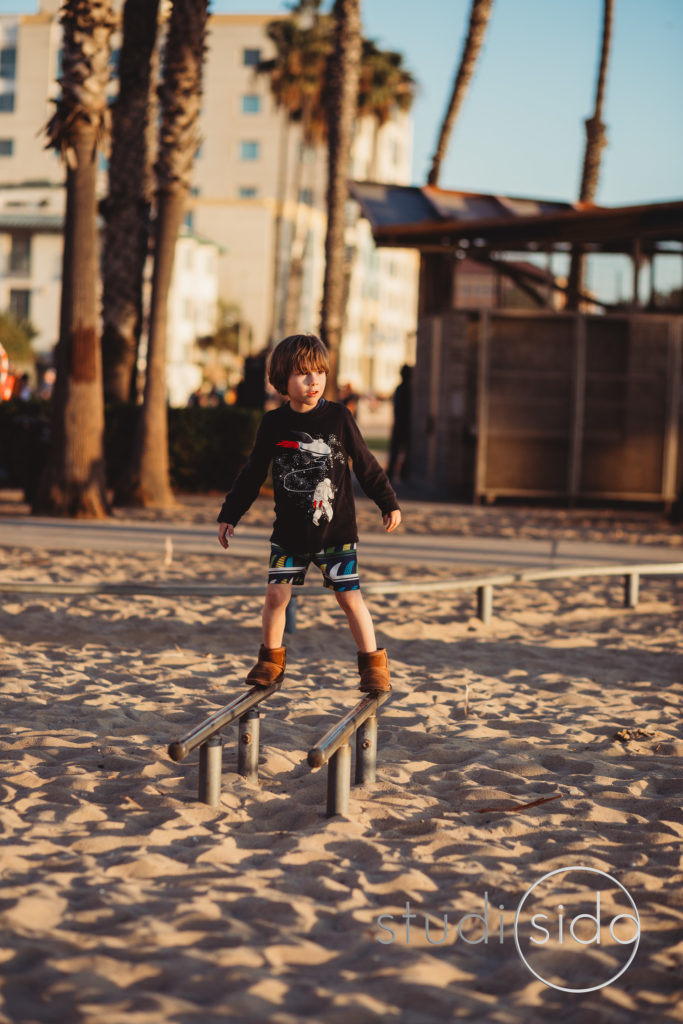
(205,736)
(335,748)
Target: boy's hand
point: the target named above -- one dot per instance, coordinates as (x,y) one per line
(391,520)
(224,528)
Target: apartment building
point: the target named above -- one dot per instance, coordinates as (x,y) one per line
(258,193)
(31,243)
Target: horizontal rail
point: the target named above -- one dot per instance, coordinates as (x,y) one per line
(653,569)
(338,734)
(395,587)
(179,749)
(135,589)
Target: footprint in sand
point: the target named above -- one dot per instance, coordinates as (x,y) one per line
(556,763)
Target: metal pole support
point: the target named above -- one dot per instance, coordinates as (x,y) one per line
(485,603)
(290,616)
(339,781)
(210,770)
(366,751)
(631,589)
(249,735)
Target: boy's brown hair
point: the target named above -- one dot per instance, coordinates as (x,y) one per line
(299,353)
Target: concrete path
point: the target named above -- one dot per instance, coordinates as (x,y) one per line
(397,548)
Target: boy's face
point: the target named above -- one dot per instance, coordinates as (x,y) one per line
(304,390)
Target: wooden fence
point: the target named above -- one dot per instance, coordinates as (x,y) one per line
(536,404)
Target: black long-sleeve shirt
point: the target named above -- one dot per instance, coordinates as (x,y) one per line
(310,451)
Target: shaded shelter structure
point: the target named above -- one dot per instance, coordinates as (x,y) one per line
(571,404)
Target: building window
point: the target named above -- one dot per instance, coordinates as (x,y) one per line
(306,153)
(188,220)
(114,61)
(306,196)
(7,101)
(20,303)
(250,150)
(6,147)
(251,104)
(198,153)
(20,255)
(8,62)
(247,192)
(250,58)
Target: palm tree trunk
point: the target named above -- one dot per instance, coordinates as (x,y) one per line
(73,483)
(276,307)
(127,206)
(479,19)
(180,99)
(343,93)
(596,140)
(295,269)
(596,134)
(154,480)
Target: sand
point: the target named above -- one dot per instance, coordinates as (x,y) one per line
(547,740)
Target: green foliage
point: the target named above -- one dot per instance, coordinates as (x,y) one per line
(304,42)
(227,336)
(208,447)
(15,338)
(24,441)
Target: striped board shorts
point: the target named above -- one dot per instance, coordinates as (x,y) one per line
(339,566)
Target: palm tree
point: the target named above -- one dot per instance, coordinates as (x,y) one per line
(303,43)
(480,13)
(299,72)
(385,85)
(180,97)
(74,480)
(342,86)
(127,207)
(596,140)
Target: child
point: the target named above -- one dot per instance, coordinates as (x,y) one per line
(309,441)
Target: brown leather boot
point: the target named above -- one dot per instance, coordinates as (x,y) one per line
(374,671)
(270,667)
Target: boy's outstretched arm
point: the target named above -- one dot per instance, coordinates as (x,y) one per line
(390,519)
(223,529)
(246,487)
(371,476)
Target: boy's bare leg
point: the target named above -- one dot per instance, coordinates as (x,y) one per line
(273,617)
(360,620)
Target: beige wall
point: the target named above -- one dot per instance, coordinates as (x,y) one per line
(37,41)
(43,281)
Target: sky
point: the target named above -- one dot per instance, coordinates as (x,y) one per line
(520,131)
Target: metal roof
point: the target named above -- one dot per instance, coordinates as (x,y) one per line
(434,219)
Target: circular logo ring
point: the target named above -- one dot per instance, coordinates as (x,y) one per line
(561,871)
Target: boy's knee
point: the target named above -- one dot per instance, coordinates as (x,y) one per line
(349,598)
(278,594)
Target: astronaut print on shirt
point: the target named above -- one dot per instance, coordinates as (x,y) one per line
(303,468)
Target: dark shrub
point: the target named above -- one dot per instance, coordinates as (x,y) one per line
(207,447)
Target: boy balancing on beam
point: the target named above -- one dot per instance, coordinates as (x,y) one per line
(309,441)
